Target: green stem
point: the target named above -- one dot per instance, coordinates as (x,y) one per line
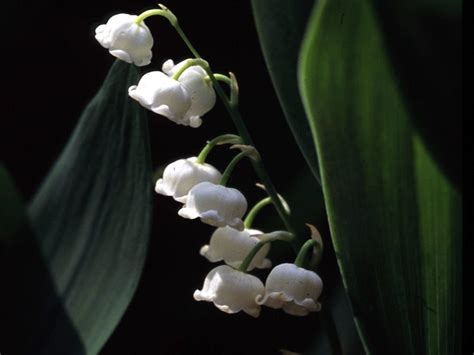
(222,139)
(258,165)
(234,91)
(301,257)
(186,40)
(190,63)
(220,77)
(230,168)
(264,239)
(156,12)
(247,140)
(255,210)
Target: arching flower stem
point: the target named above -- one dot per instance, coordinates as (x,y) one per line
(222,139)
(157,12)
(264,239)
(221,77)
(255,210)
(301,257)
(257,164)
(230,168)
(189,63)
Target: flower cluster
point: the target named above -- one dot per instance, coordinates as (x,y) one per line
(183,93)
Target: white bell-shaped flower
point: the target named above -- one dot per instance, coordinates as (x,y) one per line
(292,288)
(163,95)
(203,96)
(231,290)
(216,205)
(180,176)
(125,39)
(232,246)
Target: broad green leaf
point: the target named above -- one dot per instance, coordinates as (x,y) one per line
(280,27)
(92,213)
(393,214)
(424,42)
(32,317)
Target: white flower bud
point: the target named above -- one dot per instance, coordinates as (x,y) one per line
(231,290)
(165,96)
(292,288)
(232,246)
(203,96)
(180,176)
(216,205)
(126,40)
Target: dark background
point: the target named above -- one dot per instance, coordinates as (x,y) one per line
(55,66)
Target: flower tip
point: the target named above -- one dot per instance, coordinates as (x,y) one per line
(265,264)
(167,67)
(163,110)
(237,224)
(225,308)
(187,213)
(122,55)
(160,188)
(195,121)
(199,296)
(131,90)
(254,312)
(204,251)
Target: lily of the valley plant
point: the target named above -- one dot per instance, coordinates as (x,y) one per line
(184,93)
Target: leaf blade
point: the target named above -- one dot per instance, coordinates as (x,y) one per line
(92,212)
(367,147)
(31,310)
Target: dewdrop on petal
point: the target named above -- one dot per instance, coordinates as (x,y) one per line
(182,175)
(163,95)
(293,289)
(232,246)
(125,39)
(231,290)
(216,205)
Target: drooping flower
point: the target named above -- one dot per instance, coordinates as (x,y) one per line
(232,246)
(203,96)
(231,290)
(163,95)
(125,39)
(292,288)
(216,205)
(180,176)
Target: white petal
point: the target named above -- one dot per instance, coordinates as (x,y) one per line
(164,110)
(125,39)
(295,310)
(195,121)
(217,205)
(182,175)
(294,289)
(168,66)
(188,213)
(120,54)
(212,218)
(231,291)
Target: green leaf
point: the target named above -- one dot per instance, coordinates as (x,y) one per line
(280,27)
(92,212)
(32,317)
(394,216)
(424,42)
